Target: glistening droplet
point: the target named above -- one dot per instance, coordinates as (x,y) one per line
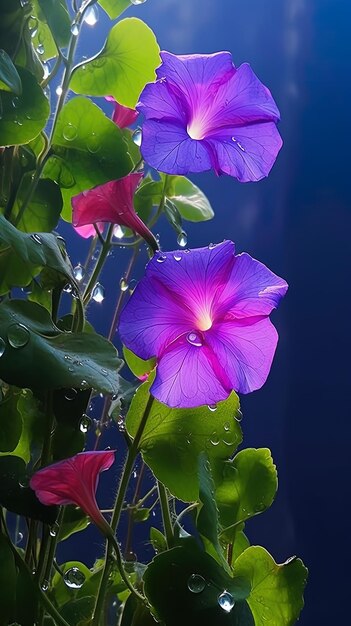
(91,16)
(118,232)
(71,393)
(226,601)
(93,143)
(137,137)
(74,29)
(36,238)
(196,583)
(182,239)
(85,423)
(2,346)
(18,335)
(136,2)
(194,339)
(69,132)
(212,407)
(74,578)
(123,285)
(78,272)
(161,258)
(98,293)
(177,256)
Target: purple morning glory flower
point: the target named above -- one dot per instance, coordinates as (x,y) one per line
(203,113)
(203,314)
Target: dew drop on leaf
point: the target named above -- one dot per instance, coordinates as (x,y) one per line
(196,583)
(18,335)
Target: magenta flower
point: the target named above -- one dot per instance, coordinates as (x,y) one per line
(112,202)
(122,116)
(74,481)
(88,230)
(203,113)
(203,314)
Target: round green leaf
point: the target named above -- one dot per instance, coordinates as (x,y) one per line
(89,150)
(276,596)
(9,77)
(43,211)
(126,63)
(173,439)
(190,201)
(138,366)
(24,116)
(169,586)
(114,8)
(39,355)
(245,486)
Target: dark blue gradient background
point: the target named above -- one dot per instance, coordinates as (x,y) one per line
(298,222)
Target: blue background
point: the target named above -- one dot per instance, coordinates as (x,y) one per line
(298,222)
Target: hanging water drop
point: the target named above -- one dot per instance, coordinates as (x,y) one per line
(18,335)
(85,423)
(40,49)
(98,293)
(54,530)
(2,346)
(182,239)
(118,232)
(45,585)
(91,16)
(137,137)
(123,285)
(74,29)
(136,2)
(74,578)
(226,601)
(78,272)
(59,90)
(36,238)
(194,339)
(46,70)
(212,407)
(196,583)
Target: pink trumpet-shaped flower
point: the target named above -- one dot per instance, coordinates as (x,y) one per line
(74,481)
(122,116)
(112,202)
(203,314)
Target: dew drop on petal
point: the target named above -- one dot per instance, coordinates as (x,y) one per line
(15,102)
(67,288)
(182,239)
(211,246)
(74,578)
(98,293)
(177,256)
(161,258)
(2,346)
(18,335)
(123,285)
(194,339)
(36,238)
(24,3)
(78,272)
(85,423)
(104,372)
(226,601)
(137,137)
(196,583)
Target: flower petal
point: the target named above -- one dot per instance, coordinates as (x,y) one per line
(88,230)
(167,147)
(252,289)
(157,101)
(189,376)
(245,152)
(245,349)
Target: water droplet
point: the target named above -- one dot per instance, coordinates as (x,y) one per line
(194,339)
(24,482)
(177,256)
(121,425)
(226,601)
(182,239)
(98,293)
(226,426)
(78,272)
(67,357)
(33,26)
(45,585)
(212,407)
(54,529)
(238,416)
(123,285)
(214,439)
(85,423)
(211,246)
(15,102)
(71,394)
(67,288)
(36,238)
(69,132)
(196,583)
(18,122)
(24,3)
(74,29)
(135,474)
(132,285)
(19,538)
(93,143)
(104,372)
(118,232)
(161,258)
(59,90)
(40,48)
(91,16)
(18,335)
(2,346)
(46,70)
(137,137)
(74,578)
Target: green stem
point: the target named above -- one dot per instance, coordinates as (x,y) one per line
(166,515)
(128,467)
(99,265)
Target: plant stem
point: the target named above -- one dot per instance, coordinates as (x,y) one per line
(99,265)
(166,515)
(122,294)
(129,463)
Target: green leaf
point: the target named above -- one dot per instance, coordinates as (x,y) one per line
(114,8)
(24,116)
(190,201)
(137,366)
(276,596)
(16,496)
(126,63)
(33,425)
(10,423)
(241,543)
(40,33)
(8,577)
(245,487)
(43,211)
(9,77)
(147,195)
(184,584)
(89,150)
(58,20)
(173,439)
(23,255)
(38,355)
(158,540)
